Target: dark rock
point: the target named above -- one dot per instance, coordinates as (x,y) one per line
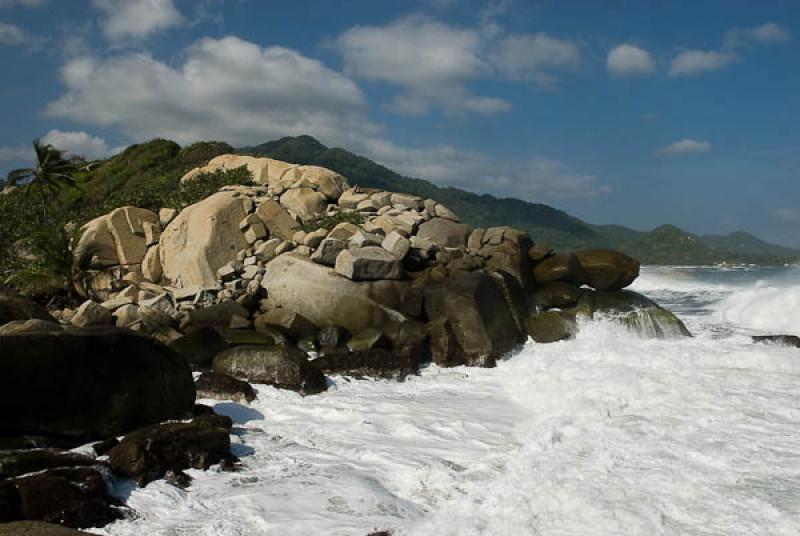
(367,340)
(101,448)
(75,497)
(283,366)
(13,306)
(38,528)
(540,252)
(20,462)
(89,384)
(511,256)
(148,453)
(782,340)
(179,479)
(557,294)
(560,267)
(331,337)
(445,348)
(202,409)
(218,315)
(370,363)
(479,320)
(308,345)
(33,325)
(608,270)
(264,336)
(551,326)
(218,386)
(200,346)
(638,313)
(515,296)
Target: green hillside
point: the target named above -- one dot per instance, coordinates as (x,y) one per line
(664,245)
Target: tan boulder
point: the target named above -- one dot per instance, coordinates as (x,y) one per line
(329,183)
(126,225)
(445,233)
(151,265)
(203,238)
(355,306)
(308,204)
(96,239)
(277,220)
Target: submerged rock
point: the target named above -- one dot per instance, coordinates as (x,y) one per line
(551,326)
(638,313)
(782,340)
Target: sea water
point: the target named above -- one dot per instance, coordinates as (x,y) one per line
(609,433)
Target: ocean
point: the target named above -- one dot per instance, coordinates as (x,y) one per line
(607,434)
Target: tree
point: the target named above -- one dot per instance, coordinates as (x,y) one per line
(53,171)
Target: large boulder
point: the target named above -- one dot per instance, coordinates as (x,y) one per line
(444,233)
(368,264)
(73,496)
(370,363)
(277,220)
(307,203)
(473,322)
(264,170)
(89,384)
(551,326)
(148,453)
(329,183)
(203,238)
(606,269)
(14,306)
(560,267)
(337,301)
(506,249)
(634,311)
(282,366)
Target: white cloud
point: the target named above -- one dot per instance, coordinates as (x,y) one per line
(769,33)
(686,146)
(78,143)
(535,57)
(629,60)
(16,153)
(12,35)
(136,18)
(534,179)
(691,62)
(429,60)
(23,3)
(787,214)
(226,89)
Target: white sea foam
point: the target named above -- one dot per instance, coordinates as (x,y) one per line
(766,307)
(606,434)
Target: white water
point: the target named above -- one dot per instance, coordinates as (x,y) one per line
(606,434)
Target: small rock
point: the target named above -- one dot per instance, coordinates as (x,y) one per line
(255,232)
(91,314)
(327,251)
(217,386)
(396,244)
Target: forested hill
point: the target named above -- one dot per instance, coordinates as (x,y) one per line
(666,244)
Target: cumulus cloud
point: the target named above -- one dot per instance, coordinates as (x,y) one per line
(691,62)
(629,60)
(534,179)
(12,35)
(15,153)
(786,214)
(22,3)
(434,63)
(686,146)
(225,89)
(136,18)
(429,60)
(78,143)
(537,57)
(736,41)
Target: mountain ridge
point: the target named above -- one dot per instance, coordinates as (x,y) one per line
(666,244)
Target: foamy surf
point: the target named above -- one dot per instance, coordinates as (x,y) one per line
(605,434)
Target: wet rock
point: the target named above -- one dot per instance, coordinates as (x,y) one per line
(608,270)
(218,386)
(557,294)
(551,326)
(560,267)
(148,453)
(782,340)
(38,528)
(14,463)
(638,313)
(370,363)
(282,366)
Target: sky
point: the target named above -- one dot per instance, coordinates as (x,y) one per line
(633,113)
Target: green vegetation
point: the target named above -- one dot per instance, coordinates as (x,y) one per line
(35,247)
(53,172)
(329,222)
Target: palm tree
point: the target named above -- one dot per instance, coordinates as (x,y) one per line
(53,171)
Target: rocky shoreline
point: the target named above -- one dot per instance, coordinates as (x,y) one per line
(297,276)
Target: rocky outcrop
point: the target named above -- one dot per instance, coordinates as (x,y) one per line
(149,453)
(283,366)
(89,384)
(203,238)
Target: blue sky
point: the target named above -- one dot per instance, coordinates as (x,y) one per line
(635,113)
